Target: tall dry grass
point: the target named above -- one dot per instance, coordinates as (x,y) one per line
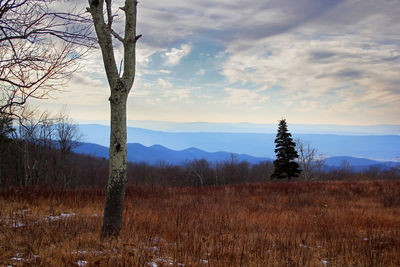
(271,224)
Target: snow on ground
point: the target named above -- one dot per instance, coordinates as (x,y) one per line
(15,223)
(18,257)
(163,262)
(82,263)
(12,223)
(59,217)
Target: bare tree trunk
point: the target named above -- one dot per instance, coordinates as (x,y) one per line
(117,171)
(120,86)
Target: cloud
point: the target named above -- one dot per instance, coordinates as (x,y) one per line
(243,96)
(327,57)
(163,84)
(174,56)
(358,52)
(164,71)
(178,95)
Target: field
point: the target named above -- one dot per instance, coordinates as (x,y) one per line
(269,224)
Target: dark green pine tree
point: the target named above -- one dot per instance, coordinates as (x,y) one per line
(6,128)
(285,166)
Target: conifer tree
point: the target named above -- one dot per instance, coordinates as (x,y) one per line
(6,127)
(285,166)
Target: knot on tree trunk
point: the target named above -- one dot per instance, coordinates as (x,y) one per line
(120,86)
(117,146)
(114,99)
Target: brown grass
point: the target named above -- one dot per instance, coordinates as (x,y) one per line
(271,224)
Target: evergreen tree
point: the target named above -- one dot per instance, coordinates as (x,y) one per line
(6,128)
(285,166)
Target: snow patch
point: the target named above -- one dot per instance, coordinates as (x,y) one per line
(12,223)
(82,263)
(80,252)
(59,217)
(168,261)
(18,224)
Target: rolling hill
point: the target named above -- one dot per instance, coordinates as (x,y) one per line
(375,147)
(156,154)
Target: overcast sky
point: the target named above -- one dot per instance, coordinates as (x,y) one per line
(309,61)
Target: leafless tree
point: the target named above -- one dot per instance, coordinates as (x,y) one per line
(309,161)
(66,132)
(39,49)
(199,171)
(120,81)
(42,138)
(35,136)
(67,136)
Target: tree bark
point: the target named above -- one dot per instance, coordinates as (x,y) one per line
(120,86)
(117,168)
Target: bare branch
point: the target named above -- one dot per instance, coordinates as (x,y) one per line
(105,40)
(130,43)
(117,36)
(39,50)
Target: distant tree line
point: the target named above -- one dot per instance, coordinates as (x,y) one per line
(39,153)
(32,164)
(37,149)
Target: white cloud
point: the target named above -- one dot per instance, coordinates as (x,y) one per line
(178,95)
(349,65)
(163,84)
(327,57)
(164,71)
(244,96)
(174,56)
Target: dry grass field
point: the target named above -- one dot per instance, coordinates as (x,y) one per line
(270,224)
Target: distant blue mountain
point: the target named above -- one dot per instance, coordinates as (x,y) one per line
(358,164)
(382,147)
(156,154)
(92,149)
(339,161)
(246,127)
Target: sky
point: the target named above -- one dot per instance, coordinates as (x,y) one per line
(309,61)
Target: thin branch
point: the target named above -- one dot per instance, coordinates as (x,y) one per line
(116,35)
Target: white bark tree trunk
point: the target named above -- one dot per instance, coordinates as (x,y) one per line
(120,86)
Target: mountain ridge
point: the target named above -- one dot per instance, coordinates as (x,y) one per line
(375,147)
(248,127)
(157,154)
